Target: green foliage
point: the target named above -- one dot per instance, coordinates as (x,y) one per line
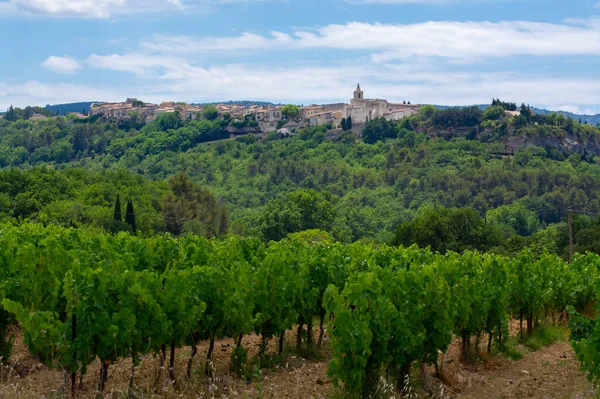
(117,213)
(81,295)
(6,339)
(14,114)
(79,198)
(310,236)
(427,111)
(290,111)
(379,186)
(277,288)
(509,348)
(545,336)
(585,340)
(193,209)
(238,361)
(282,123)
(376,130)
(447,229)
(168,121)
(403,306)
(130,216)
(301,210)
(210,112)
(516,216)
(494,113)
(456,117)
(504,105)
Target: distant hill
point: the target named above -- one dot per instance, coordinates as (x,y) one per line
(63,109)
(590,119)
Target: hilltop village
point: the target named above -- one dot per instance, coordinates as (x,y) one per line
(260,118)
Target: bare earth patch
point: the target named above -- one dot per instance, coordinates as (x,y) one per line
(551,372)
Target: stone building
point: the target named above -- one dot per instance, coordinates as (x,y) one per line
(121,111)
(362,109)
(309,111)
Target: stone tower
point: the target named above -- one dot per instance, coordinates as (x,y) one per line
(358,93)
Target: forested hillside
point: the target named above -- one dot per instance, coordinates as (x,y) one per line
(94,282)
(64,109)
(355,188)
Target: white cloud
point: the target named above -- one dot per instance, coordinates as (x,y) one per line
(61,64)
(426,2)
(87,8)
(7,8)
(385,42)
(39,93)
(138,63)
(577,109)
(105,8)
(399,1)
(396,64)
(168,80)
(181,79)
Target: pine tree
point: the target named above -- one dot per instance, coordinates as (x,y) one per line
(130,216)
(117,215)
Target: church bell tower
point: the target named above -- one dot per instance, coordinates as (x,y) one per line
(358,93)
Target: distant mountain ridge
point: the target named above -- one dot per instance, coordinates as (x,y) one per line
(583,118)
(590,119)
(63,109)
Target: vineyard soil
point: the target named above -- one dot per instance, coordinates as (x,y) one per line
(551,372)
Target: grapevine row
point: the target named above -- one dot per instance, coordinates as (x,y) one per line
(82,295)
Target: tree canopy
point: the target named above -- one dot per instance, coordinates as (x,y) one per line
(290,111)
(300,210)
(193,209)
(447,229)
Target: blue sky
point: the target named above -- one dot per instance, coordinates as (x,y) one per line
(455,52)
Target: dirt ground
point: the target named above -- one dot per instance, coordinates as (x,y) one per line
(551,372)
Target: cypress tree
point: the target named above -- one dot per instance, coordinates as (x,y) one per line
(349,123)
(11,114)
(344,124)
(117,215)
(130,216)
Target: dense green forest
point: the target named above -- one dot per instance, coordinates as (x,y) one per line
(402,182)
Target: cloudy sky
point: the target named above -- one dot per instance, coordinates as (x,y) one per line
(456,52)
